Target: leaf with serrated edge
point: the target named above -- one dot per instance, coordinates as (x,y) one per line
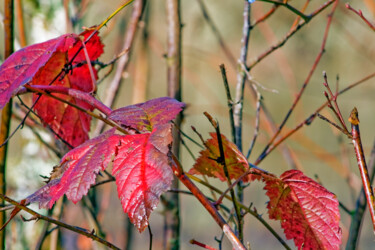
(308,212)
(143,117)
(68,122)
(235,161)
(78,170)
(142,170)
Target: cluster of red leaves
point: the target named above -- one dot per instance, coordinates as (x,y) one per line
(141,165)
(309,214)
(43,64)
(141,159)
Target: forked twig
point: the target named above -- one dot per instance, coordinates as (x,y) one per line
(38,216)
(360,14)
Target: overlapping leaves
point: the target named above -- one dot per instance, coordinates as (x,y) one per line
(44,64)
(141,165)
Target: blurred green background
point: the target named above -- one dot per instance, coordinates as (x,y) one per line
(318,149)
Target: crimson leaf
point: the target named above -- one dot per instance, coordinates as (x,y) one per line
(68,122)
(142,170)
(77,170)
(143,117)
(308,212)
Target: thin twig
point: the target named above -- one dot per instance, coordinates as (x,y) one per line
(360,14)
(221,160)
(311,118)
(229,99)
(257,123)
(299,95)
(217,34)
(291,8)
(113,89)
(245,208)
(287,36)
(178,172)
(38,216)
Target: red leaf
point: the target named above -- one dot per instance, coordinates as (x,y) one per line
(21,67)
(142,170)
(143,117)
(141,167)
(77,170)
(235,161)
(308,212)
(68,122)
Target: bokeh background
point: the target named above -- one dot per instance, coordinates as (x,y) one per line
(318,149)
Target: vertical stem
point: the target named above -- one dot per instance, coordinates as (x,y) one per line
(240,87)
(172,213)
(21,23)
(356,138)
(7,110)
(357,217)
(241,76)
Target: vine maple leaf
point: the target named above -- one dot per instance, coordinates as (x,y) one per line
(308,212)
(143,117)
(235,161)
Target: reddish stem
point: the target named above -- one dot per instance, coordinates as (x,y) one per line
(360,14)
(83,96)
(298,97)
(194,242)
(356,139)
(178,172)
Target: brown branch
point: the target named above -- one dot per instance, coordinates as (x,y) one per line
(178,172)
(38,216)
(287,36)
(299,95)
(6,112)
(356,139)
(311,118)
(171,233)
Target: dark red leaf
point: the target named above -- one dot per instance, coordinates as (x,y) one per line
(21,67)
(235,161)
(309,213)
(77,170)
(143,117)
(142,170)
(68,122)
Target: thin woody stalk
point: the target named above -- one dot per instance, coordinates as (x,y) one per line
(178,172)
(356,138)
(174,58)
(6,112)
(38,216)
